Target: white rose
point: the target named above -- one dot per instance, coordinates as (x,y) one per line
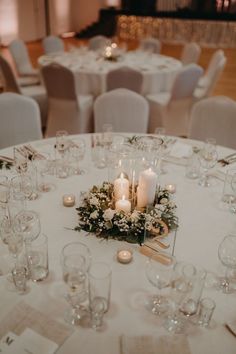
(94,214)
(164,201)
(108,214)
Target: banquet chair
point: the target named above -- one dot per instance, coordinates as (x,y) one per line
(98,42)
(191,53)
(23,64)
(126,110)
(171,109)
(125,77)
(210,83)
(214,117)
(52,44)
(37,92)
(20,120)
(66,110)
(151,45)
(211,68)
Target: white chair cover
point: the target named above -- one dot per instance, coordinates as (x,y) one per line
(36,92)
(211,68)
(21,58)
(171,110)
(52,44)
(214,117)
(191,53)
(151,45)
(98,42)
(211,81)
(124,77)
(126,110)
(20,120)
(67,111)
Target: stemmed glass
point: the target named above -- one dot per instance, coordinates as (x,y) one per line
(75,262)
(77,151)
(159,275)
(164,150)
(227,256)
(208,158)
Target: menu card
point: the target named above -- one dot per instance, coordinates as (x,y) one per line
(23,317)
(175,344)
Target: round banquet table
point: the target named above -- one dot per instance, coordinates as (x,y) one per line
(90,69)
(203,223)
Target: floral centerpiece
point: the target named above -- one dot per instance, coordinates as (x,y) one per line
(96,215)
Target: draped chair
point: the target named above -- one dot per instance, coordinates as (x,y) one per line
(66,110)
(52,44)
(171,109)
(126,110)
(211,68)
(98,42)
(125,77)
(191,53)
(210,81)
(19,52)
(214,117)
(151,45)
(20,119)
(37,92)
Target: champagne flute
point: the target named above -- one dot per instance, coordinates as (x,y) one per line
(227,256)
(208,159)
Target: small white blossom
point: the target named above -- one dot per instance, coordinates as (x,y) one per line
(163,201)
(94,201)
(108,214)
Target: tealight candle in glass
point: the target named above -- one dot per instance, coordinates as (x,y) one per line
(124,256)
(68,200)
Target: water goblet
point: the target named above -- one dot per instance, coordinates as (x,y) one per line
(159,275)
(227,256)
(27,223)
(74,267)
(21,187)
(208,159)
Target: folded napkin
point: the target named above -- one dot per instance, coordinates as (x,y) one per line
(180,150)
(177,344)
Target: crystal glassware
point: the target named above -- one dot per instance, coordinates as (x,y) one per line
(208,158)
(77,152)
(227,256)
(160,275)
(27,223)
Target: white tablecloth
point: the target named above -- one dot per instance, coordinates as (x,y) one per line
(202,225)
(90,69)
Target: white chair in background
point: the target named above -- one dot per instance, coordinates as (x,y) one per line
(37,92)
(214,117)
(98,42)
(211,68)
(191,53)
(171,110)
(151,45)
(22,61)
(53,44)
(66,110)
(210,82)
(126,110)
(124,77)
(20,120)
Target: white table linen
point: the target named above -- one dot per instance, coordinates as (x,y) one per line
(90,69)
(202,225)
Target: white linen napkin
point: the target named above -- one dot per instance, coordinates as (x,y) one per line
(151,345)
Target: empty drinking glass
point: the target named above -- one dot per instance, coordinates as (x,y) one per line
(208,158)
(227,256)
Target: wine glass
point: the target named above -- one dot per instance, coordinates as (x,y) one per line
(62,142)
(164,150)
(75,266)
(27,223)
(232,198)
(227,256)
(208,158)
(159,275)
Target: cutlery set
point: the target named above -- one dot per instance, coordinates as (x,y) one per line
(228,159)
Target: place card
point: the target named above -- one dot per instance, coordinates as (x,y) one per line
(28,342)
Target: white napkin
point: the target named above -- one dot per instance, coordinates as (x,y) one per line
(180,150)
(177,344)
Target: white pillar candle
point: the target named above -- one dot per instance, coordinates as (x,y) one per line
(146,188)
(123,205)
(121,187)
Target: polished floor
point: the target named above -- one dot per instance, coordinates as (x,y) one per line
(225,86)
